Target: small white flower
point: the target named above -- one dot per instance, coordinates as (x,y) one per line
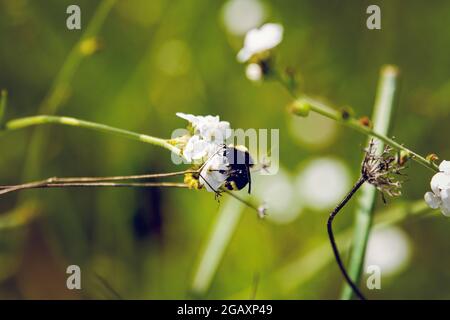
(260,40)
(196,149)
(208,128)
(254,72)
(212,129)
(440,185)
(213,176)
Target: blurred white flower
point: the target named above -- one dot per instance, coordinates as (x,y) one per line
(213,176)
(440,185)
(209,128)
(254,72)
(260,40)
(239,16)
(323,183)
(388,248)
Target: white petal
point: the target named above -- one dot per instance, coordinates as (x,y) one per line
(440,181)
(273,33)
(445,206)
(196,149)
(194,120)
(214,130)
(244,55)
(253,72)
(200,150)
(445,167)
(264,38)
(213,119)
(432,200)
(189,148)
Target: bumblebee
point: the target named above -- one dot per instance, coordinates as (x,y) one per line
(238,171)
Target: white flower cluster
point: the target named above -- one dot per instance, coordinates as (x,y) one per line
(440,185)
(208,134)
(205,147)
(258,42)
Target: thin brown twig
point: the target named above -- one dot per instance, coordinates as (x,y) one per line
(56,182)
(110,178)
(46,184)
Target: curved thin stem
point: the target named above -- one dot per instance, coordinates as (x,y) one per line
(333,214)
(329,112)
(21,123)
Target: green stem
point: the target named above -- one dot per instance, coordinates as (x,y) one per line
(21,123)
(218,240)
(331,113)
(382,115)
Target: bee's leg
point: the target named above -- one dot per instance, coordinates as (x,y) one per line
(217,193)
(204,163)
(218,170)
(249,180)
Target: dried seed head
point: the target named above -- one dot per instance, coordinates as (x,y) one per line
(382,170)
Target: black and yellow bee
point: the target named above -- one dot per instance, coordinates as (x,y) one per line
(239,164)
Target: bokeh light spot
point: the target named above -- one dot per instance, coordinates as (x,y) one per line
(323,183)
(390,249)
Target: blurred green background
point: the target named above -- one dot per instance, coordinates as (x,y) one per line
(159,57)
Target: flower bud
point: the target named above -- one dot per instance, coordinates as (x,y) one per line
(254,72)
(402,157)
(300,108)
(432,157)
